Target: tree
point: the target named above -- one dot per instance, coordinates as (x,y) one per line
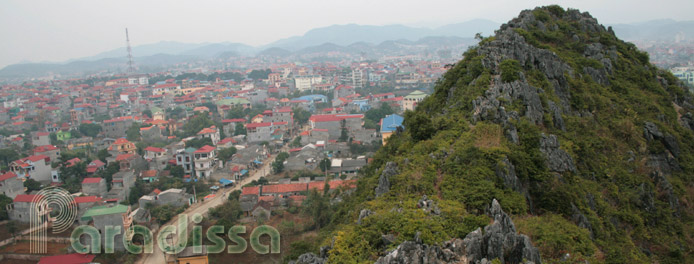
(90,130)
(176,171)
(226,153)
(4,201)
(259,74)
(324,164)
(195,124)
(147,112)
(237,112)
(240,129)
(296,142)
(419,125)
(301,115)
(103,154)
(344,135)
(317,207)
(32,185)
(199,142)
(133,132)
(8,155)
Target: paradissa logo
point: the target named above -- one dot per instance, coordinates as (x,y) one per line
(173,239)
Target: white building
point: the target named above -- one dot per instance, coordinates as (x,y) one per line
(306,82)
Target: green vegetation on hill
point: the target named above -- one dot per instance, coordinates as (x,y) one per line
(613,186)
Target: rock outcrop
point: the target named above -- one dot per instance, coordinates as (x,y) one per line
(390,170)
(557,159)
(498,241)
(428,205)
(363,214)
(308,258)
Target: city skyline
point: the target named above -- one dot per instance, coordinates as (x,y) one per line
(49,32)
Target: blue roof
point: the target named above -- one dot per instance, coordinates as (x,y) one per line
(391,123)
(225,181)
(258,162)
(243,172)
(313,97)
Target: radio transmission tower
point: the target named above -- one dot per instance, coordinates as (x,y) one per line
(131,69)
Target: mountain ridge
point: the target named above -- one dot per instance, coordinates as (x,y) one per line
(585,144)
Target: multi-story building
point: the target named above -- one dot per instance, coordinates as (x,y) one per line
(411,100)
(205,161)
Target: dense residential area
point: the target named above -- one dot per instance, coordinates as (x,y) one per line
(142,148)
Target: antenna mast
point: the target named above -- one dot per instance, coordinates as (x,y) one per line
(131,69)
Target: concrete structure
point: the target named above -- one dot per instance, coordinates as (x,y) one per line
(10,185)
(23,207)
(51,151)
(36,167)
(40,138)
(205,161)
(110,215)
(306,82)
(116,127)
(411,100)
(211,132)
(94,186)
(184,158)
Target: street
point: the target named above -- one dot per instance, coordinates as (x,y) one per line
(203,207)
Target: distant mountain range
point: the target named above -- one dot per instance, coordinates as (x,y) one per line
(351,39)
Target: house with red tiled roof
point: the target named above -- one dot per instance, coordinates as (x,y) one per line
(210,132)
(123,146)
(10,185)
(40,138)
(94,186)
(95,166)
(37,167)
(205,161)
(51,151)
(154,152)
(129,161)
(23,207)
(284,190)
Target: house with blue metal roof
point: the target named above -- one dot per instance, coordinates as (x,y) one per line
(389,125)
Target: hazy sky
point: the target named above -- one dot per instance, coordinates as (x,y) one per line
(51,30)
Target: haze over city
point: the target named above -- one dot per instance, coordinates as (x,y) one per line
(361,131)
(55,31)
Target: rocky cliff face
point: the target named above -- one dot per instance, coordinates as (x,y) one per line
(499,240)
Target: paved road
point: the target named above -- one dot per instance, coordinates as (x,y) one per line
(203,207)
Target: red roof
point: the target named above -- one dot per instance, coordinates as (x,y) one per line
(235,120)
(149,173)
(87,199)
(91,180)
(266,198)
(254,125)
(250,190)
(26,198)
(295,150)
(205,149)
(208,130)
(44,148)
(74,258)
(154,149)
(226,140)
(121,141)
(157,191)
(284,188)
(124,157)
(35,158)
(332,118)
(96,163)
(7,175)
